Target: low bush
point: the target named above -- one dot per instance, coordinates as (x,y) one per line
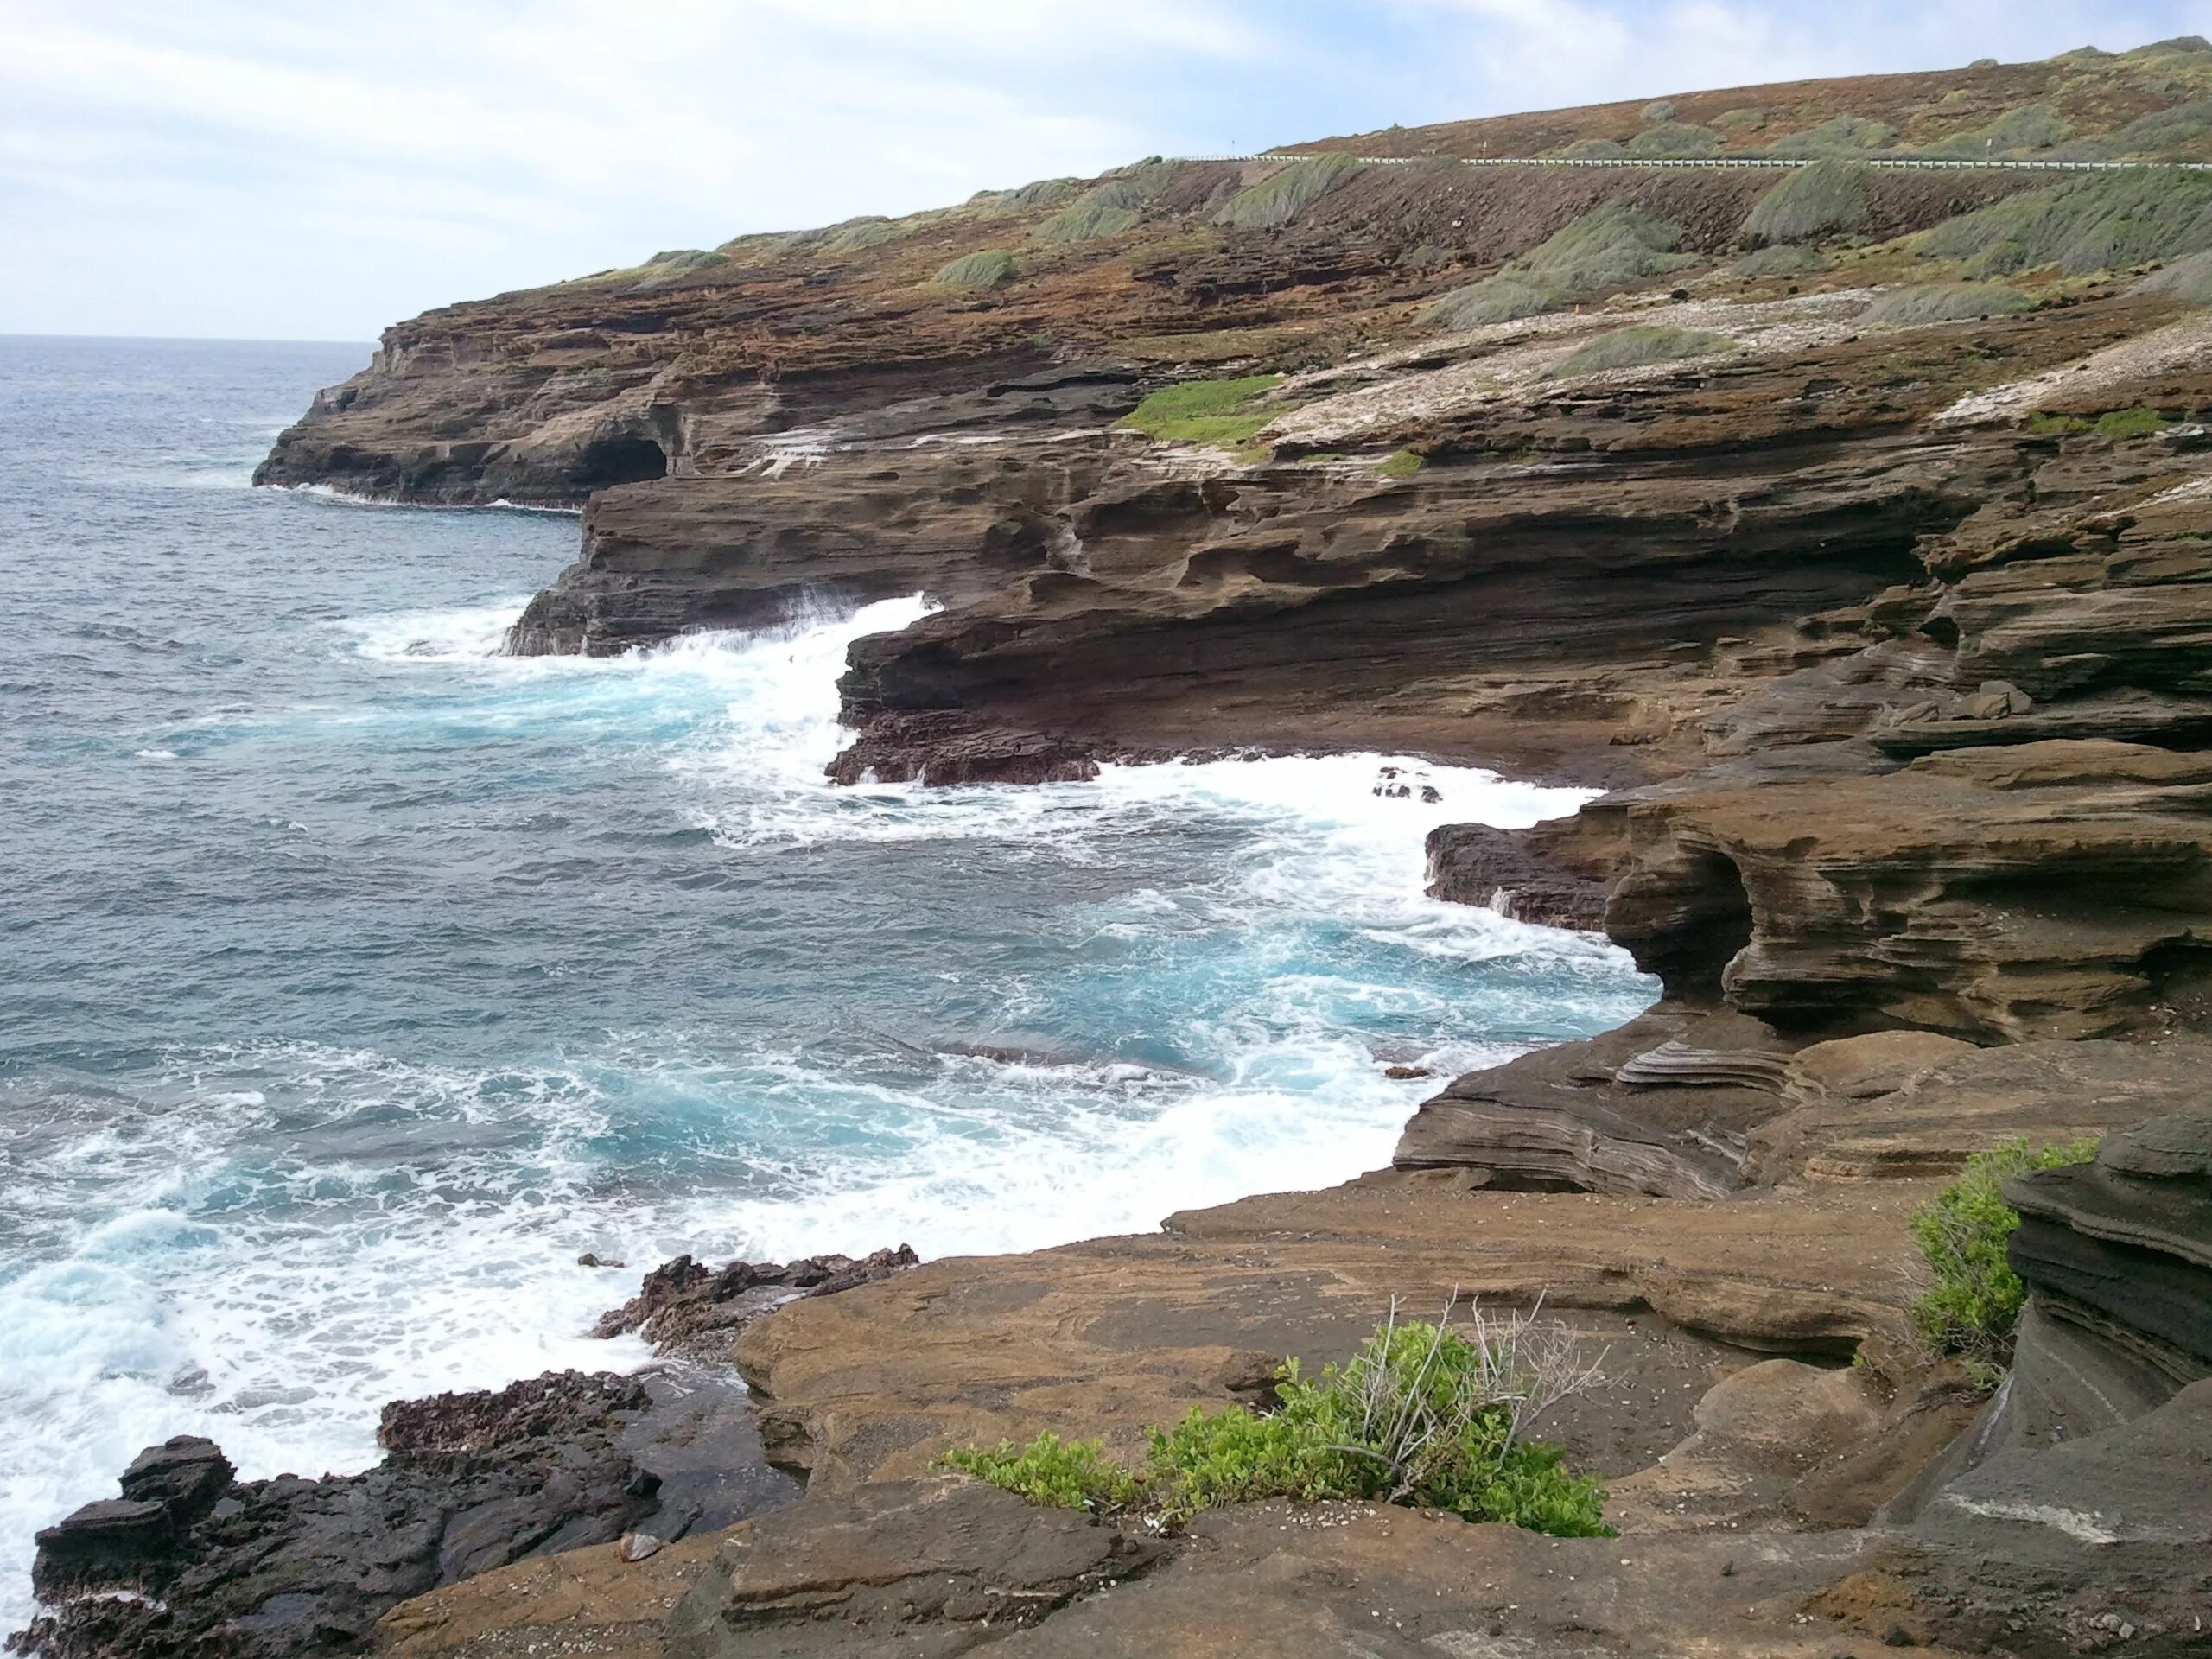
(1839,135)
(2106,222)
(1831,194)
(1740,120)
(1778,259)
(1675,138)
(1973,1298)
(2189,280)
(1054,1472)
(987,268)
(1401,463)
(1423,1414)
(1948,302)
(1638,347)
(1285,193)
(1595,149)
(2016,132)
(856,234)
(1609,247)
(1206,411)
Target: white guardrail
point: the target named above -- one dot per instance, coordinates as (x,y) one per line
(1930,164)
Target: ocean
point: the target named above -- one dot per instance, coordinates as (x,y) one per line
(358,978)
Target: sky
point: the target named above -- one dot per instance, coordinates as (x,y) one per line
(241,170)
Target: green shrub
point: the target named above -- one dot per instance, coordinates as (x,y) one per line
(2137,423)
(1779,259)
(1595,149)
(1638,347)
(1206,411)
(856,234)
(1828,195)
(1086,219)
(1839,135)
(1403,463)
(1974,1299)
(1422,1414)
(2106,222)
(2031,127)
(2188,280)
(1740,120)
(1609,247)
(676,259)
(1057,1473)
(1285,193)
(1042,193)
(987,268)
(1675,138)
(1660,110)
(1948,302)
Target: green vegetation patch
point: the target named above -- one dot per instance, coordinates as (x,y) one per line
(1595,149)
(1839,135)
(1225,412)
(2033,127)
(2140,422)
(1830,194)
(1675,138)
(2189,280)
(1638,347)
(1975,1299)
(1053,1472)
(1285,193)
(1610,247)
(856,234)
(1401,463)
(2176,133)
(1949,303)
(1423,1414)
(987,268)
(1746,120)
(1779,259)
(1112,205)
(2103,223)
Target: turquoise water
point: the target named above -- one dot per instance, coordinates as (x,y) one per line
(359,978)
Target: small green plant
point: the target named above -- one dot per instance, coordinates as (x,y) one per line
(2137,423)
(1056,1473)
(987,268)
(1974,1298)
(1638,347)
(1423,1414)
(1225,412)
(1401,463)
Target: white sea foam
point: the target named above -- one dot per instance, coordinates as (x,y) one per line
(424,1234)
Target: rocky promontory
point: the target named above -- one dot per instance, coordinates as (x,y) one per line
(1848,525)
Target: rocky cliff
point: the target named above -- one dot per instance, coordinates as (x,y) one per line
(1851,526)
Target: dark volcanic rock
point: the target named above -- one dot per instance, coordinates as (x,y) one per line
(687,1307)
(943,747)
(290,1565)
(1477,864)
